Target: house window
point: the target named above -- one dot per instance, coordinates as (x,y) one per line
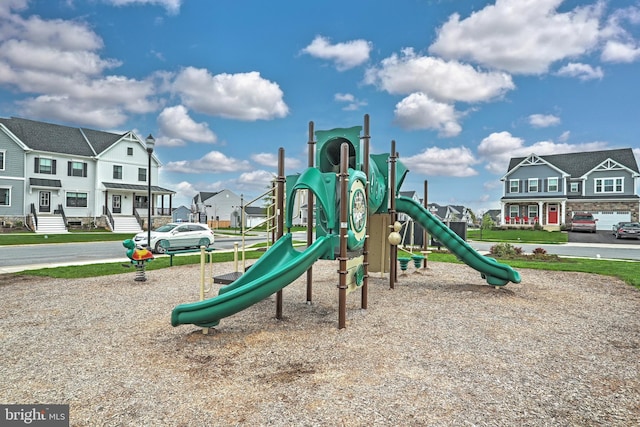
(552,185)
(77,169)
(76,200)
(532,212)
(2,160)
(609,185)
(575,187)
(140,202)
(514,211)
(117,172)
(47,166)
(142,174)
(514,186)
(129,151)
(533,185)
(5,196)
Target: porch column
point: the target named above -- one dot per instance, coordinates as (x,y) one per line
(563,206)
(540,205)
(502,206)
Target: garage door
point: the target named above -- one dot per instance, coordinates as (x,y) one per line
(606,219)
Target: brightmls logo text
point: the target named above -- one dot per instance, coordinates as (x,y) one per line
(34,415)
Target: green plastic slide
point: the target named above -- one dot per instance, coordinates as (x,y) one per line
(495,273)
(277,268)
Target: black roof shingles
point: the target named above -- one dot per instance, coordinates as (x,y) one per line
(48,137)
(578,164)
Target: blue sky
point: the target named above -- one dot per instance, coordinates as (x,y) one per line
(460,85)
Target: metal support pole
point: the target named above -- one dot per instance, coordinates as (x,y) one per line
(365,250)
(393,268)
(425,235)
(280,217)
(342,284)
(311,145)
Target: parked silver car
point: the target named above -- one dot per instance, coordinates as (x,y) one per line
(628,230)
(176,235)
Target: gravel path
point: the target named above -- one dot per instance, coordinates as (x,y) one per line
(441,349)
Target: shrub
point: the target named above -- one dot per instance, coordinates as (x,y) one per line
(539,251)
(505,250)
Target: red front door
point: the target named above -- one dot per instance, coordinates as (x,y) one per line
(553,214)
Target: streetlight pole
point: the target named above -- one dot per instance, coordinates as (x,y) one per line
(150,143)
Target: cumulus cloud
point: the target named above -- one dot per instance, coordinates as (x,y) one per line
(521,37)
(177,127)
(498,148)
(271,160)
(615,51)
(345,55)
(255,180)
(212,162)
(445,81)
(436,161)
(418,111)
(59,62)
(543,120)
(581,71)
(351,102)
(172,6)
(242,96)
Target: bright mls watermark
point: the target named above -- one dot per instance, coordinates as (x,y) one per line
(34,415)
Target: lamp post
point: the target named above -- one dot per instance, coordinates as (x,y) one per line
(150,143)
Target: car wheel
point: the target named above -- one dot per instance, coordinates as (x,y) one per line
(159,247)
(204,242)
(617,236)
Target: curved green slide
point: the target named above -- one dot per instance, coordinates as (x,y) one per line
(495,273)
(277,268)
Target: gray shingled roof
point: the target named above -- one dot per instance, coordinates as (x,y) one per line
(41,136)
(141,188)
(578,164)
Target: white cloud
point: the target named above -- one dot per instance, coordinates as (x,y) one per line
(498,148)
(212,162)
(353,104)
(255,180)
(445,81)
(271,160)
(418,111)
(436,161)
(543,120)
(581,71)
(520,36)
(178,127)
(172,6)
(344,55)
(58,62)
(615,51)
(242,96)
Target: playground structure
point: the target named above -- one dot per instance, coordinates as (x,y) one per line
(349,186)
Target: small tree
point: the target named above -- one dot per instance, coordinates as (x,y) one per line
(487,222)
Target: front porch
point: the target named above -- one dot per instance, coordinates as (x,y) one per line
(525,213)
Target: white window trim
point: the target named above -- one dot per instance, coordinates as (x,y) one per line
(4,160)
(537,185)
(8,189)
(576,185)
(557,184)
(603,191)
(517,185)
(530,209)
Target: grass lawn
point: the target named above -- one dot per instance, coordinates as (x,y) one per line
(518,236)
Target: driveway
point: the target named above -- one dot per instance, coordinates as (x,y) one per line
(602,236)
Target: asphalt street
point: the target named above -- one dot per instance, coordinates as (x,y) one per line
(26,257)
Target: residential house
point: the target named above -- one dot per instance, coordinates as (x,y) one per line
(181,214)
(549,189)
(216,208)
(53,177)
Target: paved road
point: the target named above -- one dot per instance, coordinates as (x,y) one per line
(28,257)
(19,258)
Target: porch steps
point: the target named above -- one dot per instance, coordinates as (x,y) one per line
(50,224)
(126,224)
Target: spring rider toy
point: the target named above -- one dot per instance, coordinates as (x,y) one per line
(139,258)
